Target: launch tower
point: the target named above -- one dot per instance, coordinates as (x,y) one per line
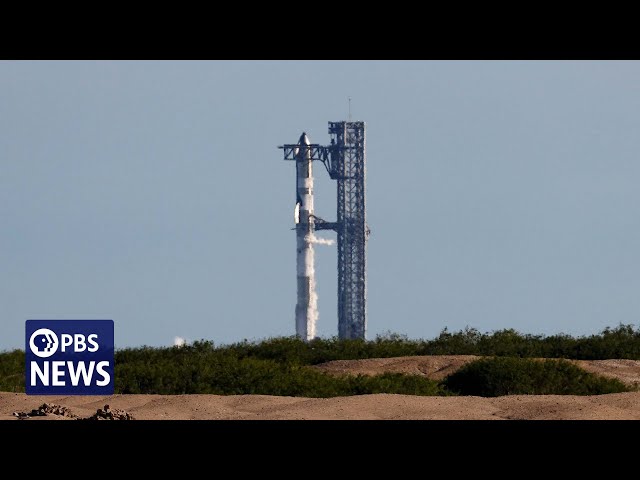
(345,161)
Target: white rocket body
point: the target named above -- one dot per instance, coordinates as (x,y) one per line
(307,304)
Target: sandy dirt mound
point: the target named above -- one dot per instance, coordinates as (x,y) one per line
(435,367)
(627,371)
(382,406)
(438,367)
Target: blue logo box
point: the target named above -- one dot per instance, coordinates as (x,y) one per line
(69,357)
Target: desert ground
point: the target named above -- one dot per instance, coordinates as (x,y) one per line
(381,406)
(438,367)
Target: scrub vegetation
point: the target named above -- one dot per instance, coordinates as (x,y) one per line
(279,366)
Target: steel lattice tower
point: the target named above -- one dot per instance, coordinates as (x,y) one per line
(345,160)
(348,159)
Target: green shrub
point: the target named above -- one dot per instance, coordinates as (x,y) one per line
(620,342)
(219,373)
(277,366)
(492,377)
(12,371)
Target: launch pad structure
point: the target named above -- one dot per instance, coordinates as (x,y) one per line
(345,161)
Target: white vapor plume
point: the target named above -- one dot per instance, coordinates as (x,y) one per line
(312,312)
(179,342)
(319,241)
(313,299)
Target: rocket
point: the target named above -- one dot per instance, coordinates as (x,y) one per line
(307,300)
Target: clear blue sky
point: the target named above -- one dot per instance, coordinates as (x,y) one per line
(500,194)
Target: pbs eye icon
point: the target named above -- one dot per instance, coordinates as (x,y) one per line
(43,343)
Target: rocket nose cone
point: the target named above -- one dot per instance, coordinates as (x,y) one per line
(304,139)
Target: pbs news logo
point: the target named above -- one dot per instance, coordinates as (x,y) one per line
(69,357)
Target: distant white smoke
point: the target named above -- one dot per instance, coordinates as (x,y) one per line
(313,296)
(320,241)
(309,271)
(313,311)
(179,342)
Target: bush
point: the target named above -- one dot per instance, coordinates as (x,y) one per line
(620,342)
(12,371)
(276,366)
(201,369)
(493,377)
